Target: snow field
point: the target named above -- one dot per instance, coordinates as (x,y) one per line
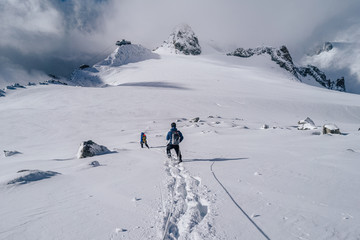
(292,184)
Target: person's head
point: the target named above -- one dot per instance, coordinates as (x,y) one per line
(173,125)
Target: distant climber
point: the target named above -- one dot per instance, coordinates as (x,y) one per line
(174,138)
(143,140)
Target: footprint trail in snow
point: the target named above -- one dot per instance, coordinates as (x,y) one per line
(187,207)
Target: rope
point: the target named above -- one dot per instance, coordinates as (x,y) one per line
(255,225)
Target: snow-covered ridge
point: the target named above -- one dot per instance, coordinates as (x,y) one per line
(182,40)
(125,54)
(282,57)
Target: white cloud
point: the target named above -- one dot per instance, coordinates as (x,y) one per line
(79,30)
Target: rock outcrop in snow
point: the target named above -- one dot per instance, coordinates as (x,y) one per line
(86,77)
(306,124)
(10,153)
(282,57)
(331,129)
(90,149)
(182,40)
(32,176)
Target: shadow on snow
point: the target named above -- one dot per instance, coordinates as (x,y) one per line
(214,159)
(154,85)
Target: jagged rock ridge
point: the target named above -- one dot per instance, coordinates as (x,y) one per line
(283,58)
(183,40)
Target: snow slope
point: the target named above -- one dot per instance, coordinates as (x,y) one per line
(237,181)
(122,55)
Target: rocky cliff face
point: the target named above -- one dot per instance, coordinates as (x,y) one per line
(182,41)
(282,57)
(326,47)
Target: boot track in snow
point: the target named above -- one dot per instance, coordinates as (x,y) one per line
(187,206)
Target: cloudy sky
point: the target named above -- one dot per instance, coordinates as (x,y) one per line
(54,36)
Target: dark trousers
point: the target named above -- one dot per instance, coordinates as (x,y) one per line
(142,144)
(177,150)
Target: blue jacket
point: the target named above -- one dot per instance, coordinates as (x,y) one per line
(142,138)
(168,136)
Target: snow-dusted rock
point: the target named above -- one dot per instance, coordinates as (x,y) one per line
(86,77)
(306,124)
(182,40)
(265,126)
(282,57)
(2,93)
(197,119)
(326,47)
(53,81)
(95,164)
(32,176)
(331,129)
(90,149)
(10,153)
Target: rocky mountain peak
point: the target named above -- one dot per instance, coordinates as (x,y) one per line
(326,47)
(182,40)
(282,57)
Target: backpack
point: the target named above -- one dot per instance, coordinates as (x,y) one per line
(175,138)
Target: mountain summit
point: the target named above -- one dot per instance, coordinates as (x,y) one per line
(124,54)
(182,40)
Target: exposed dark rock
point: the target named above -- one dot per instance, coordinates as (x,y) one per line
(90,149)
(32,176)
(95,164)
(331,129)
(195,119)
(183,40)
(122,42)
(326,47)
(84,66)
(280,56)
(318,75)
(53,76)
(283,58)
(340,84)
(53,81)
(10,153)
(15,86)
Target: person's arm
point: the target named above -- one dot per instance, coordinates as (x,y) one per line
(181,136)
